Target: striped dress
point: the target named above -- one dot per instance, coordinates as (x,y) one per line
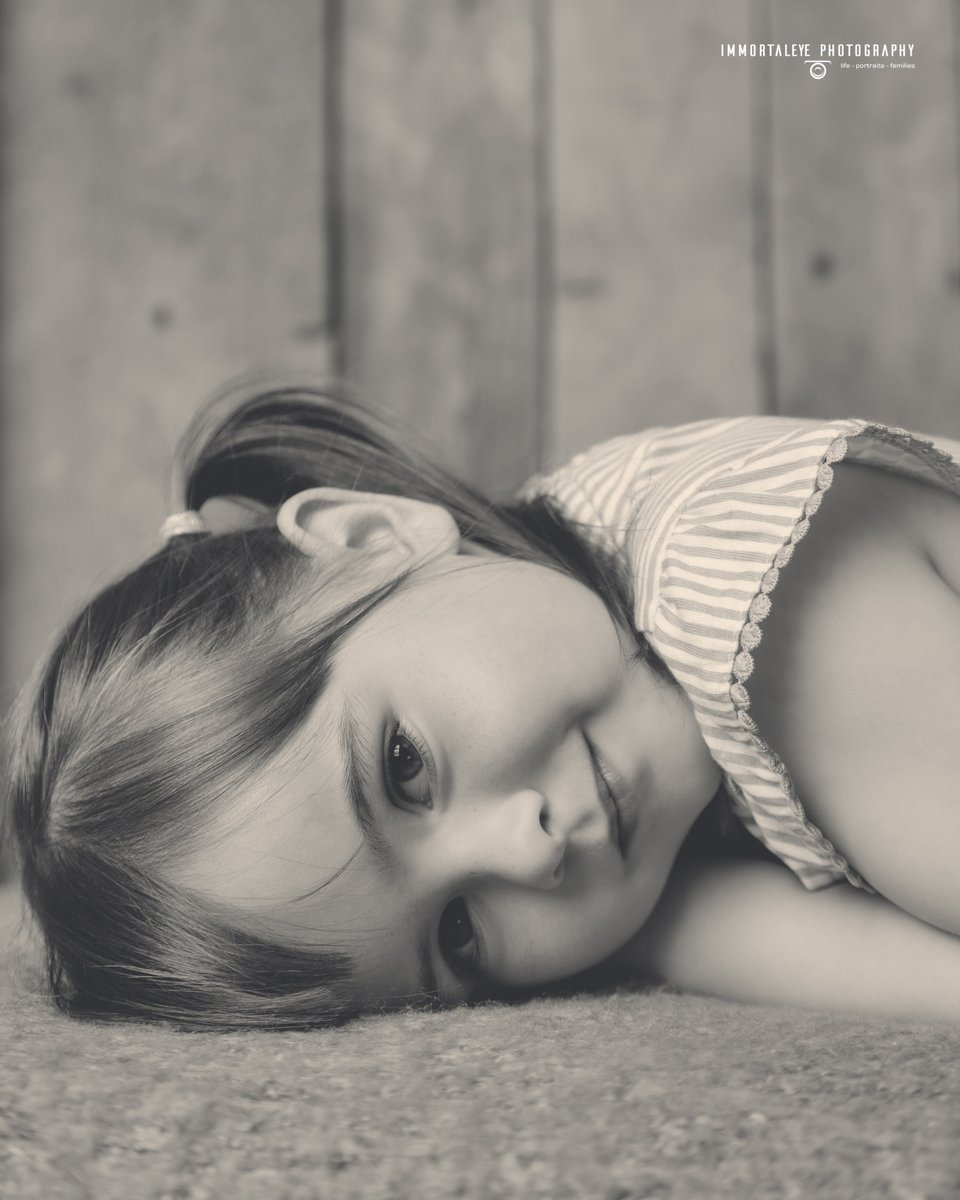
(707,515)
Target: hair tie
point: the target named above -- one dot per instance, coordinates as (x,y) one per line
(181,523)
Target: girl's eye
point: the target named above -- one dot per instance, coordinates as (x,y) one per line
(457,938)
(408,780)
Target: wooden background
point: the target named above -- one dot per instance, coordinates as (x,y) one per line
(523,224)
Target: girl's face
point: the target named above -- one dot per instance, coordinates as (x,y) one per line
(491,791)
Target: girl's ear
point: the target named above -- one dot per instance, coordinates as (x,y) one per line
(400,533)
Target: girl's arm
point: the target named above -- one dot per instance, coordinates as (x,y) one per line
(750,931)
(857,683)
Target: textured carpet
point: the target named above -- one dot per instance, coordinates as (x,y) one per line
(615,1096)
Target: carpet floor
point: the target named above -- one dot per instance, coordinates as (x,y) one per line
(618,1096)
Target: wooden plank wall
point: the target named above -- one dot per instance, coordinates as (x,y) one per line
(863,183)
(523,224)
(163,229)
(442,200)
(654,300)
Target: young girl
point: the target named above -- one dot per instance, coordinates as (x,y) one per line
(387,742)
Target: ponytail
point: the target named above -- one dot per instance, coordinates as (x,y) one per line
(261,445)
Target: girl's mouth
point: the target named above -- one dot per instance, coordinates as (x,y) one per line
(607,789)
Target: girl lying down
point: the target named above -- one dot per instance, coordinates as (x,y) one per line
(689,710)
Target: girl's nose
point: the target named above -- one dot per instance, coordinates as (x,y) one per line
(513,838)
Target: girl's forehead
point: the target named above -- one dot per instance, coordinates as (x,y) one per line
(288,854)
(285,828)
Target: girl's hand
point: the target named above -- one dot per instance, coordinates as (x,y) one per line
(750,931)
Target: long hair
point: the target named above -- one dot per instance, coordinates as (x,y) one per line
(179,680)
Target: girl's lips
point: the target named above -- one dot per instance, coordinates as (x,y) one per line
(608,791)
(623,798)
(605,793)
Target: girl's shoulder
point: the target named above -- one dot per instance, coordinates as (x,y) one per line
(734,495)
(727,480)
(643,481)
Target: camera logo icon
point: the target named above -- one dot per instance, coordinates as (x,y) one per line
(818,66)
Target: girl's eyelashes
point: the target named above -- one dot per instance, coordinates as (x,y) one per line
(407,769)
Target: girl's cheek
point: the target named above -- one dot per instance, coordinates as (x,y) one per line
(548,937)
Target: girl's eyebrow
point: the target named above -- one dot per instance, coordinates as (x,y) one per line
(356,753)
